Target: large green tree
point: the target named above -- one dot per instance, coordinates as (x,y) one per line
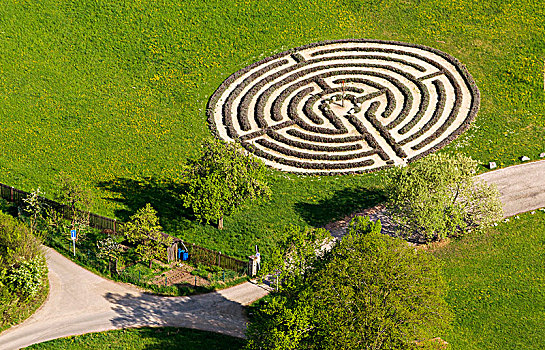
(222,180)
(144,231)
(370,291)
(439,196)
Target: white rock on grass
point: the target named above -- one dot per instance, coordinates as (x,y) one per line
(492,165)
(542,155)
(524,158)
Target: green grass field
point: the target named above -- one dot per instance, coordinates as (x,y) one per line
(113,93)
(497,286)
(145,338)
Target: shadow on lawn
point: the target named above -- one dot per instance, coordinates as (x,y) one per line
(163,195)
(342,203)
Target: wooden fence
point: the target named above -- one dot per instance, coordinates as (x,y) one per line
(206,256)
(96,221)
(197,253)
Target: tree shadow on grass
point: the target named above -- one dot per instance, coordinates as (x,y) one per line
(342,203)
(165,196)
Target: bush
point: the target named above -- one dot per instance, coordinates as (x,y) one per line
(370,291)
(26,279)
(23,272)
(438,196)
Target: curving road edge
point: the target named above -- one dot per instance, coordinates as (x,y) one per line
(522,187)
(81,302)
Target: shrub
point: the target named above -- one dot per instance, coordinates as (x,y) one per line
(23,272)
(26,279)
(438,196)
(370,291)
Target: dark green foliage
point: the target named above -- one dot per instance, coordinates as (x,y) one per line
(297,252)
(378,293)
(369,292)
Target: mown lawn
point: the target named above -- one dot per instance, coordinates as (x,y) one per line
(497,286)
(497,289)
(146,338)
(114,92)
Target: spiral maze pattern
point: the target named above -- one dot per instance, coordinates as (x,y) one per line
(345,106)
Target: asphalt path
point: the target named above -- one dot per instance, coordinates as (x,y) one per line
(522,187)
(81,302)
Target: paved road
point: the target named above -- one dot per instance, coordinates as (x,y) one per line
(82,302)
(522,187)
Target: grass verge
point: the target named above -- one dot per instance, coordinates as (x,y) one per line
(497,285)
(114,93)
(145,338)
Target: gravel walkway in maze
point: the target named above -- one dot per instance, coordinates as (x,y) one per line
(82,302)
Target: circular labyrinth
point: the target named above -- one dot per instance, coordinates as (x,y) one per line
(345,106)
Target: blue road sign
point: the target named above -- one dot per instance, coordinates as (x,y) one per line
(73,234)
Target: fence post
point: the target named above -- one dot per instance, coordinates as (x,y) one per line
(219,259)
(11,190)
(115,221)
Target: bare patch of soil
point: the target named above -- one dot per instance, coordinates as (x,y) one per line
(339,228)
(179,275)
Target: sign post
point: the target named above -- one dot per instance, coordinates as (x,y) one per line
(342,97)
(73,235)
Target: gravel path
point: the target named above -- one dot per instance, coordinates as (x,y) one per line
(82,302)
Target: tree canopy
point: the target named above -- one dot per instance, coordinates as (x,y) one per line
(439,196)
(222,179)
(371,291)
(144,231)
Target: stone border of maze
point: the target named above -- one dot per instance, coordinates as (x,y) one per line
(285,108)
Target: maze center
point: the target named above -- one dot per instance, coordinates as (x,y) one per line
(345,106)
